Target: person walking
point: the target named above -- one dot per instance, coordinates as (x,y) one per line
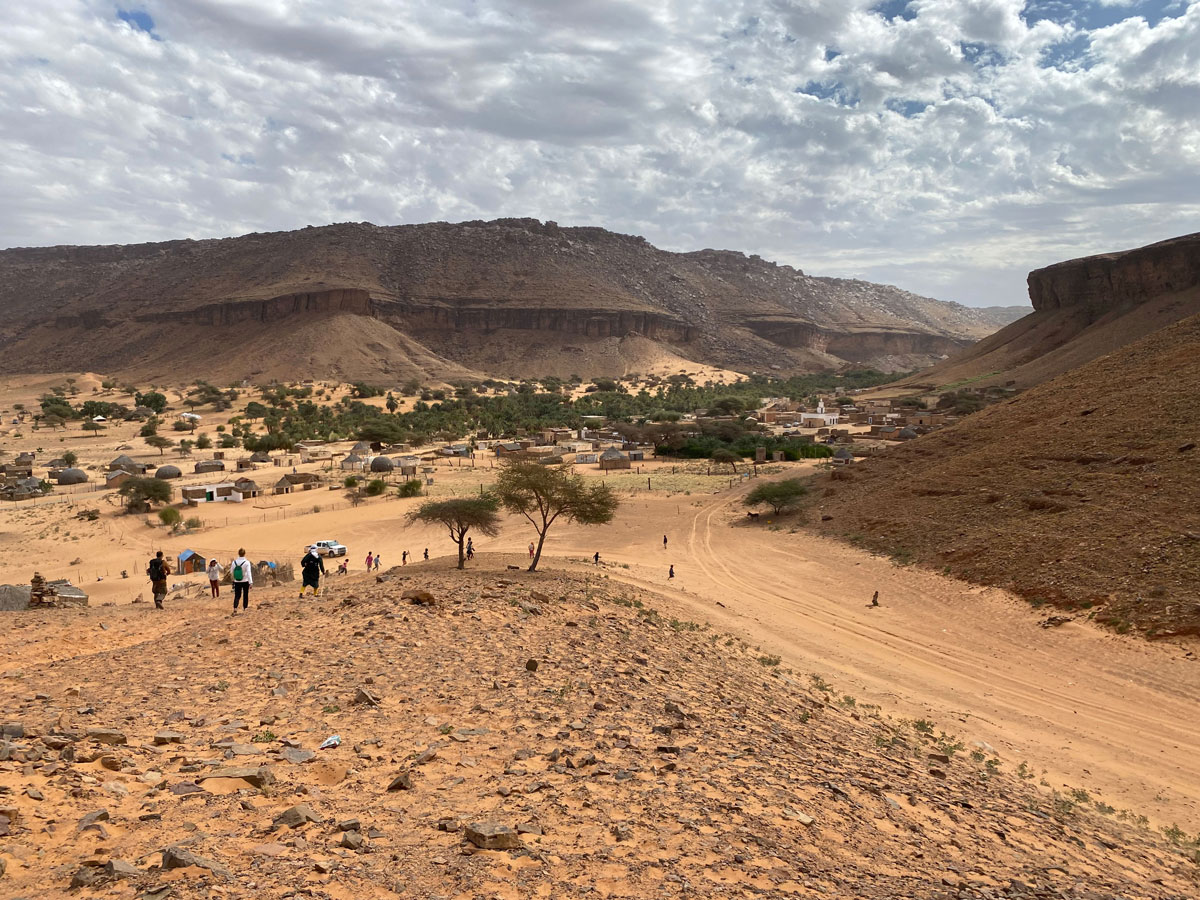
(596,559)
(470,549)
(158,570)
(243,577)
(312,568)
(671,573)
(214,577)
(531,549)
(370,560)
(664,542)
(404,558)
(426,554)
(378,558)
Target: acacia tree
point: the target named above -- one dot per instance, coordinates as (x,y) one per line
(779,495)
(139,493)
(158,442)
(544,494)
(459,516)
(721,455)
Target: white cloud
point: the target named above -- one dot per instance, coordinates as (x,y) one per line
(941,151)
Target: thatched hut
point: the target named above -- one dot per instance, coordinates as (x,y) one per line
(71,476)
(167,472)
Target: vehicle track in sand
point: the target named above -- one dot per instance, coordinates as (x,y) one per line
(1111,714)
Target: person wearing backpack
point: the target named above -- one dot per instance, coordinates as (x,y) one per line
(158,570)
(312,567)
(243,576)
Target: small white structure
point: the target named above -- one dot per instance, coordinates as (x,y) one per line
(819,419)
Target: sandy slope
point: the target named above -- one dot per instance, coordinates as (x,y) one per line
(1110,714)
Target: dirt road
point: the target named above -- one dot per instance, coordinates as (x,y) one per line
(1082,707)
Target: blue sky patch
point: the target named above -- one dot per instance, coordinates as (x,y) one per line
(890,10)
(1064,53)
(830,90)
(1091,15)
(907,108)
(139,19)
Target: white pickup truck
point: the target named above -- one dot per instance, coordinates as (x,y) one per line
(329,548)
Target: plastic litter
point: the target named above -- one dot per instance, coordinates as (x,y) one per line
(334,740)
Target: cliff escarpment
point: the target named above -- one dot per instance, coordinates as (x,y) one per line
(1083,309)
(452,289)
(1114,280)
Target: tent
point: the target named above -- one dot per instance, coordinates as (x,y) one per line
(190,561)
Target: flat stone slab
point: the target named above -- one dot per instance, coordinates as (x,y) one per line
(258,777)
(493,836)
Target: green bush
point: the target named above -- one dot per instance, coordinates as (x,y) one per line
(170,516)
(411,488)
(375,487)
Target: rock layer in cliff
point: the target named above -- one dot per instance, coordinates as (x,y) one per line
(1083,309)
(442,297)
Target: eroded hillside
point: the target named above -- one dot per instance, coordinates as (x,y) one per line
(430,296)
(1082,492)
(523,736)
(1082,309)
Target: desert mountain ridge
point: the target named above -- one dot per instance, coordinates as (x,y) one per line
(1082,309)
(510,297)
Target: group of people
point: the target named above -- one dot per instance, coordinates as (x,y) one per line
(241,573)
(312,567)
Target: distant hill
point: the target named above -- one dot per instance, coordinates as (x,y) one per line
(1082,309)
(513,297)
(1083,492)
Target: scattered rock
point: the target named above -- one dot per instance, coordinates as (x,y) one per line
(99,815)
(295,816)
(531,665)
(363,696)
(162,738)
(107,736)
(402,782)
(260,777)
(352,840)
(178,858)
(493,836)
(86,877)
(117,869)
(418,597)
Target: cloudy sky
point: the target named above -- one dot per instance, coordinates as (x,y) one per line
(947,146)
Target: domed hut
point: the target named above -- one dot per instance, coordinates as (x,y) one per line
(71,476)
(382,465)
(167,472)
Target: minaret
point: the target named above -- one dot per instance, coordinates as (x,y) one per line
(820,406)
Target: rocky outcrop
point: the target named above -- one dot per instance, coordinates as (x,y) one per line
(437,314)
(1083,309)
(1109,280)
(437,282)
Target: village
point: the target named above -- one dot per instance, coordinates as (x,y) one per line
(338,484)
